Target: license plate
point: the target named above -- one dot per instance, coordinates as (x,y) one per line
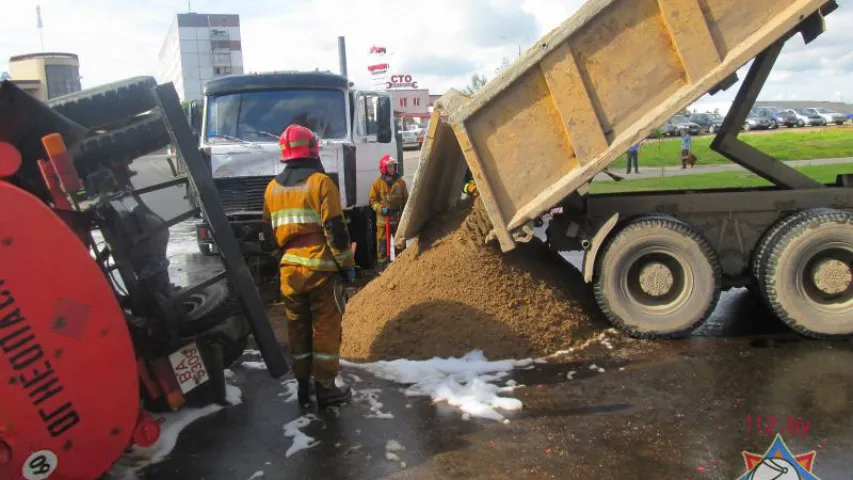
(188,367)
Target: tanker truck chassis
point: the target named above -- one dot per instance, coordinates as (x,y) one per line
(657,261)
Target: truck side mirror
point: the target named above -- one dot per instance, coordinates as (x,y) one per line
(383,120)
(195,116)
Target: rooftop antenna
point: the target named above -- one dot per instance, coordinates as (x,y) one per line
(39,24)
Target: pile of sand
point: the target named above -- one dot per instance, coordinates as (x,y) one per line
(447,295)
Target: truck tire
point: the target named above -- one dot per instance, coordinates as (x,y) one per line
(808,278)
(766,242)
(122,146)
(108,104)
(657,278)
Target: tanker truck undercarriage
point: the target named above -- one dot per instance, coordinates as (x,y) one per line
(94,333)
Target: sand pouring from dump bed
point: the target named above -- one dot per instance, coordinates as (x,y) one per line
(447,295)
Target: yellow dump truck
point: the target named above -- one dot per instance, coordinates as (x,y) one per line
(535,137)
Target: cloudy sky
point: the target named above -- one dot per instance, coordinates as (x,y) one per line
(440,42)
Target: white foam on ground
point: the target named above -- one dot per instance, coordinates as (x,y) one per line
(171,426)
(301,441)
(394,446)
(371,396)
(461,382)
(233,394)
(257,475)
(249,365)
(291,390)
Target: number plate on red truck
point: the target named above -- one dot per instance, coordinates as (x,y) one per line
(188,367)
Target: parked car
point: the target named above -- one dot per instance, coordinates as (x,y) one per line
(414,137)
(802,120)
(828,115)
(681,122)
(756,121)
(779,116)
(710,122)
(810,119)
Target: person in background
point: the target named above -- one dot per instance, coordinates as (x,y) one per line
(633,155)
(388,195)
(304,207)
(686,147)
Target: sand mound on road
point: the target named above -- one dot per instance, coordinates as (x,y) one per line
(447,295)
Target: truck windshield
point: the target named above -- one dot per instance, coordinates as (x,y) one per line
(262,116)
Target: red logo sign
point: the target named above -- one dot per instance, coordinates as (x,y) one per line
(379,50)
(379,68)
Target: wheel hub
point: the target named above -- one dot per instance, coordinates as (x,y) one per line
(832,276)
(656,279)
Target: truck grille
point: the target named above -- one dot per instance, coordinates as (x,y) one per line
(246,194)
(242,194)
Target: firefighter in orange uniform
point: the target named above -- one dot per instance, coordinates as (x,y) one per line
(303,205)
(388,196)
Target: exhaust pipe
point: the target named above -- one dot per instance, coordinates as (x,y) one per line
(342,55)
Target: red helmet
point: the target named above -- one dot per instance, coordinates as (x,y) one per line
(298,142)
(384,162)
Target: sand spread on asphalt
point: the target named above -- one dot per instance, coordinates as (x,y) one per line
(448,294)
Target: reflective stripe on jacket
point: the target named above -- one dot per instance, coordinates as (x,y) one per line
(308,222)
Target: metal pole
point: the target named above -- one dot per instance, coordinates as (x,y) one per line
(342,55)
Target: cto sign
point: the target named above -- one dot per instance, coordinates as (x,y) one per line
(401,81)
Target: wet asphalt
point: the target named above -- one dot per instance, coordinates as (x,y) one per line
(682,410)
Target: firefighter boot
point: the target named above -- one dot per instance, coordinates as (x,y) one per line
(336,393)
(304,392)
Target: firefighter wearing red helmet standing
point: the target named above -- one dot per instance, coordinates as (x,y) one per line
(304,206)
(388,196)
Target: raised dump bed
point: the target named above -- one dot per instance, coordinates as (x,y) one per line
(581,96)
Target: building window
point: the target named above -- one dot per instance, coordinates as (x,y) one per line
(62,80)
(220,58)
(222,70)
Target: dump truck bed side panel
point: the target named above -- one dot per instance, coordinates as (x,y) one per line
(604,79)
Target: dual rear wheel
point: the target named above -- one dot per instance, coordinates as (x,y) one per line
(804,272)
(658,277)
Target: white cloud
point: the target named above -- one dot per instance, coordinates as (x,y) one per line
(442,42)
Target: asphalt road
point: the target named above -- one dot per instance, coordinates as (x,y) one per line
(678,410)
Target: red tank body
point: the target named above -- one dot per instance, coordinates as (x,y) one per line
(69,391)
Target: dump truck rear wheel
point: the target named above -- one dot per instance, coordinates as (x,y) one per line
(768,240)
(123,145)
(657,278)
(808,277)
(106,105)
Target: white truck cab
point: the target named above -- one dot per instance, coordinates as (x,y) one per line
(242,117)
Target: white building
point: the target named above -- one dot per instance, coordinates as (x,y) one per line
(198,48)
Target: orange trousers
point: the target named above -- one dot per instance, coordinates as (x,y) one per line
(313,322)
